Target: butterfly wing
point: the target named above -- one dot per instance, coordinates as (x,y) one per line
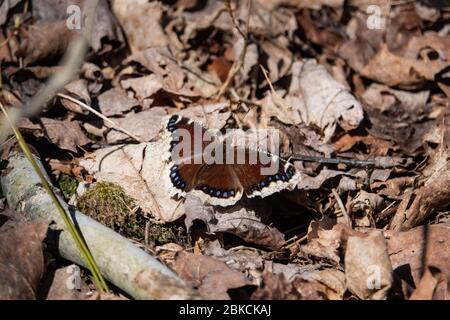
(250,172)
(266,175)
(183,156)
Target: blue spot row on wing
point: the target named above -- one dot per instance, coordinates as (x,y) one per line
(172,145)
(176,179)
(284,176)
(172,121)
(217,193)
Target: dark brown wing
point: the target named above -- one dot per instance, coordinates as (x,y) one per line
(265,176)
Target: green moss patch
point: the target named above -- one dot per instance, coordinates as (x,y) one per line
(67,185)
(108,203)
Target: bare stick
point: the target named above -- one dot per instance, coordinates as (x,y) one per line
(342,207)
(98,114)
(351,162)
(125,265)
(240,61)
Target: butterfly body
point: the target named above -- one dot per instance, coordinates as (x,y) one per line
(203,163)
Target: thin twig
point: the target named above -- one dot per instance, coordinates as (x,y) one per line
(289,245)
(98,114)
(342,207)
(240,61)
(351,162)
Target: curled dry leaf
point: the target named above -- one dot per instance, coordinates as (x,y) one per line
(326,102)
(433,196)
(238,220)
(212,277)
(385,99)
(366,203)
(21,260)
(368,269)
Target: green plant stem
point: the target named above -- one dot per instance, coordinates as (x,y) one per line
(81,245)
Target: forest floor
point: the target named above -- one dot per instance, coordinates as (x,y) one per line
(363,81)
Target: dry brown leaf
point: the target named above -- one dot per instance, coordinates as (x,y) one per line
(105,28)
(21,259)
(79,89)
(411,252)
(326,103)
(144,87)
(213,116)
(328,242)
(393,70)
(433,196)
(44,40)
(67,285)
(432,286)
(65,134)
(276,287)
(244,260)
(212,277)
(116,102)
(133,17)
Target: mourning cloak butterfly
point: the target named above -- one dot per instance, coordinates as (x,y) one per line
(219,183)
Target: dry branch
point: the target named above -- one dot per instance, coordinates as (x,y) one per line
(121,262)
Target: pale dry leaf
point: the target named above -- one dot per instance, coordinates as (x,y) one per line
(368,269)
(144,87)
(432,286)
(144,124)
(105,28)
(142,173)
(213,116)
(327,103)
(67,284)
